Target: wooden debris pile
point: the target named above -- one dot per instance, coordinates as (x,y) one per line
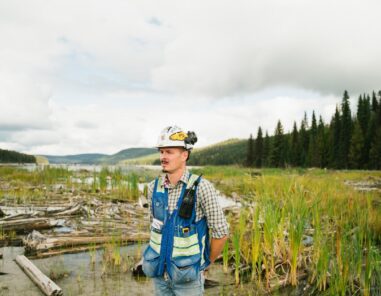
(77,226)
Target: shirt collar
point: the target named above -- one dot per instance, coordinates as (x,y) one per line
(184,178)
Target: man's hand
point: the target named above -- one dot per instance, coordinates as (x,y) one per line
(205,273)
(216,246)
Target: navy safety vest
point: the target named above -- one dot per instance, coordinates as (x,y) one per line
(177,245)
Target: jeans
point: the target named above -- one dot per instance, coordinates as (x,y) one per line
(164,286)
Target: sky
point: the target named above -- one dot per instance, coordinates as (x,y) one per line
(90,76)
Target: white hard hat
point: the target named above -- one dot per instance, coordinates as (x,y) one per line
(174,136)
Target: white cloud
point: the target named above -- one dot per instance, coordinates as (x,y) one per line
(224,48)
(24,102)
(107,128)
(92,76)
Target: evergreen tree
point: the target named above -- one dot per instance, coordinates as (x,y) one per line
(356,148)
(250,152)
(379,110)
(375,151)
(370,138)
(335,135)
(346,131)
(374,102)
(286,147)
(278,149)
(259,148)
(313,158)
(303,141)
(266,150)
(322,145)
(363,117)
(363,113)
(294,146)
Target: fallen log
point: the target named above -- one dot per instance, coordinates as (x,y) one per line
(74,209)
(32,210)
(47,286)
(56,252)
(36,243)
(27,224)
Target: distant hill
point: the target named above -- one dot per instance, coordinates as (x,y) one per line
(232,151)
(41,159)
(126,154)
(147,159)
(90,158)
(9,156)
(98,158)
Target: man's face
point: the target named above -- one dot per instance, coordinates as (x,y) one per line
(172,158)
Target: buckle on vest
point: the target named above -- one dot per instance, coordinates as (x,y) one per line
(185,230)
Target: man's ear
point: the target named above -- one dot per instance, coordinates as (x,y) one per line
(188,154)
(185,155)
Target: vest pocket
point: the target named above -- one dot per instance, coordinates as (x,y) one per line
(158,208)
(185,269)
(150,262)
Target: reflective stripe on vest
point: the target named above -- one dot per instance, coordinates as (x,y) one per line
(160,188)
(192,250)
(155,241)
(185,246)
(202,251)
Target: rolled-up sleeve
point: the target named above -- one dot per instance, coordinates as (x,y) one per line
(208,196)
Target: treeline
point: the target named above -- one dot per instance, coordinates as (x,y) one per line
(349,141)
(7,156)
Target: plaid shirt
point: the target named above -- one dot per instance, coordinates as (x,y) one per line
(206,205)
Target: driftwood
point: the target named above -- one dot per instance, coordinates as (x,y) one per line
(27,224)
(47,286)
(72,250)
(7,210)
(9,213)
(74,209)
(36,243)
(99,219)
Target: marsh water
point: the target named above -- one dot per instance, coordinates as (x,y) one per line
(84,274)
(90,273)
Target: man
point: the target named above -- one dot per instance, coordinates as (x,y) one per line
(184,208)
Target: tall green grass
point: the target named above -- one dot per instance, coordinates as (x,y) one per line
(289,208)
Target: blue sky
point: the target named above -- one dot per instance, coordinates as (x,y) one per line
(96,76)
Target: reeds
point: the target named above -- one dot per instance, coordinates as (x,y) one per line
(237,256)
(306,222)
(298,219)
(255,244)
(225,257)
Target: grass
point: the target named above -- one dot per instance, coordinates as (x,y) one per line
(281,210)
(23,186)
(293,205)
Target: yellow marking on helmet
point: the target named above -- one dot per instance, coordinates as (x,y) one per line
(179,136)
